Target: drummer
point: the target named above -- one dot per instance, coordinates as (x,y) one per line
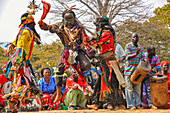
(154,62)
(134,53)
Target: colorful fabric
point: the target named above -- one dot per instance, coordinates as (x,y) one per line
(46,9)
(105,41)
(103,85)
(71,84)
(93,69)
(65,58)
(1,99)
(4,66)
(27,20)
(18,55)
(154,62)
(46,101)
(47,88)
(25,41)
(164,62)
(144,102)
(131,64)
(3,79)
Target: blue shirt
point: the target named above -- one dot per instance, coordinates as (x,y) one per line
(47,88)
(62,89)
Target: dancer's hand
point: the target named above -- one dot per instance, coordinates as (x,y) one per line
(43,25)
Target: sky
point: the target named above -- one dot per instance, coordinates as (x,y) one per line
(11,11)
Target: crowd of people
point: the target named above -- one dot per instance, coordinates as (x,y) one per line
(73,85)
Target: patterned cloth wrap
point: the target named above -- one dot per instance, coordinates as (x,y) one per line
(46,101)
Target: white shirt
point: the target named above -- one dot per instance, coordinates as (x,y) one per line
(119,51)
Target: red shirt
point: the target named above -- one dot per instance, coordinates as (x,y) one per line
(106,42)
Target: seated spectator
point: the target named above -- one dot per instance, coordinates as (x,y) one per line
(48,87)
(76,92)
(165,67)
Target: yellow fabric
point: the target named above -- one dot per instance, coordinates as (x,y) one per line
(24,41)
(64,75)
(23,18)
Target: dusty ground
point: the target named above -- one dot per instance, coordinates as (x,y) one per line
(104,111)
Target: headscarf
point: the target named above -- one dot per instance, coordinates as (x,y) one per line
(164,62)
(26,19)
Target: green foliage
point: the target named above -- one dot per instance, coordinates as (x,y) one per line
(3,59)
(162,15)
(46,55)
(149,33)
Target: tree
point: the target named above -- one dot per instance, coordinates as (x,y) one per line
(116,10)
(149,33)
(154,31)
(162,15)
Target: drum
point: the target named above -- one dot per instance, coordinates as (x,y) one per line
(108,56)
(159,91)
(140,72)
(6,88)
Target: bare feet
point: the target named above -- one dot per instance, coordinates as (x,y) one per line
(138,107)
(110,107)
(153,107)
(116,108)
(122,106)
(94,106)
(132,108)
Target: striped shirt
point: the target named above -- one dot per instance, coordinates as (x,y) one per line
(154,62)
(131,64)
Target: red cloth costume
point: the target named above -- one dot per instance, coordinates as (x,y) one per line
(2,81)
(168,105)
(106,42)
